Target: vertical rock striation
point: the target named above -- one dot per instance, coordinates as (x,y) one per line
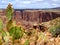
(32,15)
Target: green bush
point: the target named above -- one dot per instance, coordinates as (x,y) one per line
(1,24)
(55,30)
(5,35)
(9,12)
(16,32)
(10,24)
(42,36)
(26,42)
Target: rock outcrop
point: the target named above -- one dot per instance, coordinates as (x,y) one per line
(35,15)
(29,17)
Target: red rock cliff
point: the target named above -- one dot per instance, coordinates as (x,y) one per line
(33,15)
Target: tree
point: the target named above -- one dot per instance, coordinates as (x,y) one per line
(1,24)
(9,12)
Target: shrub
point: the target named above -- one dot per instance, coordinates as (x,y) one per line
(26,42)
(5,35)
(9,12)
(55,30)
(10,24)
(1,24)
(16,32)
(42,37)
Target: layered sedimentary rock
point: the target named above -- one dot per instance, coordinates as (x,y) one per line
(39,16)
(17,16)
(33,15)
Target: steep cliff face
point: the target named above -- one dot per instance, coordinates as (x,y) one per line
(35,16)
(30,17)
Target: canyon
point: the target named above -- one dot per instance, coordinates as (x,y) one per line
(31,17)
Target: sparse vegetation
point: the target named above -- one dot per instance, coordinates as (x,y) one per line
(55,30)
(16,32)
(26,42)
(33,37)
(9,12)
(1,24)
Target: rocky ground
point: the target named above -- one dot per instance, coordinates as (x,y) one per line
(35,36)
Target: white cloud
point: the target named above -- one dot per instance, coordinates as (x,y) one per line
(17,0)
(21,2)
(54,4)
(4,1)
(26,2)
(55,0)
(37,0)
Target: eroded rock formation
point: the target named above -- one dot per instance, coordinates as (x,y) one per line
(35,15)
(29,17)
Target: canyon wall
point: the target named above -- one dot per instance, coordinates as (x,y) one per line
(32,15)
(35,16)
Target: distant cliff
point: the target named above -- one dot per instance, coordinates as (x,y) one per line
(38,16)
(35,15)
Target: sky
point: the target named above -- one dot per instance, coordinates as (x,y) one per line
(30,4)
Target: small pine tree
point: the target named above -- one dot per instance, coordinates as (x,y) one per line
(9,12)
(1,24)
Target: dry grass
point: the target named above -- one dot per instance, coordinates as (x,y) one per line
(37,37)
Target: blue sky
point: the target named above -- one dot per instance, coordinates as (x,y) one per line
(31,4)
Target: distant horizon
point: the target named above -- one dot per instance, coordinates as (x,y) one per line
(33,8)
